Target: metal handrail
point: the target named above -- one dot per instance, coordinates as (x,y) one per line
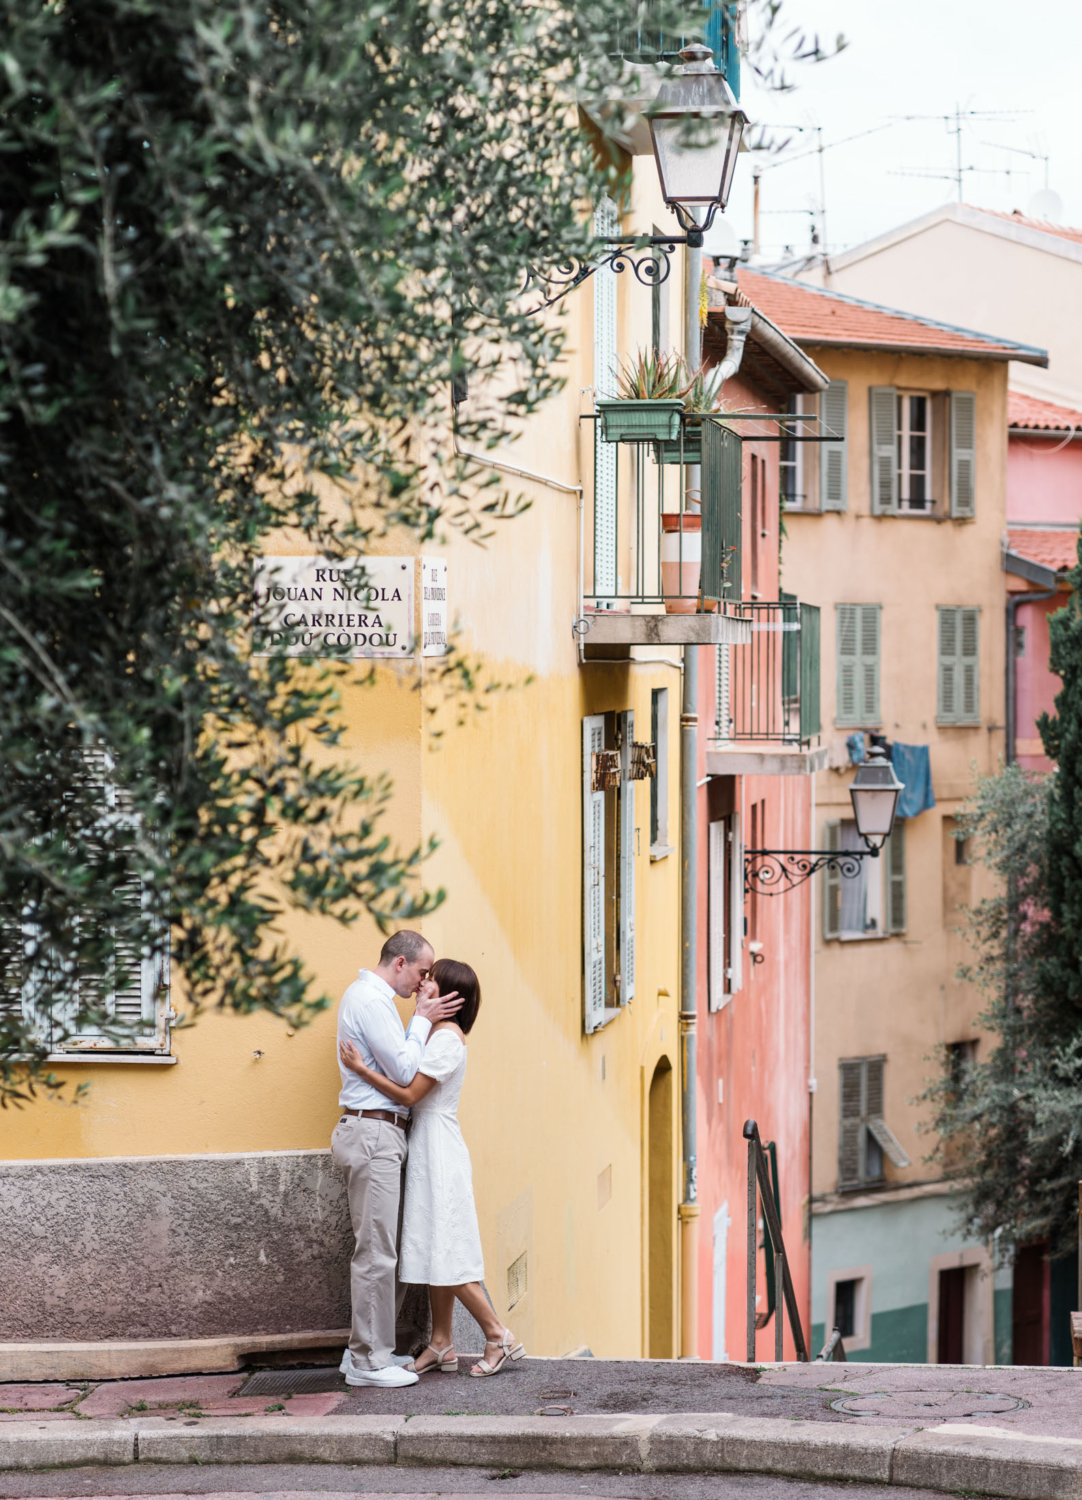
(833,1349)
(759,1185)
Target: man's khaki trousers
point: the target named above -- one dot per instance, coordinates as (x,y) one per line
(371,1155)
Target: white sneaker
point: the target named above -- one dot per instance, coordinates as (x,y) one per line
(387,1377)
(405,1360)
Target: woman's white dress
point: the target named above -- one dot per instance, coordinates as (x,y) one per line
(440,1243)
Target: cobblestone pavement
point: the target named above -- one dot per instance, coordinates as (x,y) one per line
(1046,1402)
(293,1482)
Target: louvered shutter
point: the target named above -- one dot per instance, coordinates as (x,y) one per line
(963,456)
(832,885)
(850,1123)
(736,915)
(722,510)
(718,851)
(134,993)
(894,854)
(593,875)
(969,685)
(834,452)
(848,704)
(873,1088)
(606,222)
(947,674)
(883,414)
(627,861)
(868,642)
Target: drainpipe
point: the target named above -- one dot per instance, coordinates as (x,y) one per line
(689,895)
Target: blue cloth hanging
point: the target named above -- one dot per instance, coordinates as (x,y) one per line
(913,766)
(855,745)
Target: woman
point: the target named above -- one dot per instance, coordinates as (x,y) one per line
(440,1241)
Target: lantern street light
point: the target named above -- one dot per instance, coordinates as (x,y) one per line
(696,126)
(875,790)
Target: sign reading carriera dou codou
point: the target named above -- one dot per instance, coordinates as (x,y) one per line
(316,606)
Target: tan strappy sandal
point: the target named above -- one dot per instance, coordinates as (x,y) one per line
(446,1361)
(508,1348)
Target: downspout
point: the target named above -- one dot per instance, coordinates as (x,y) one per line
(689,895)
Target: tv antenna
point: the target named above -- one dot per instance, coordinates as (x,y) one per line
(1021,151)
(955,124)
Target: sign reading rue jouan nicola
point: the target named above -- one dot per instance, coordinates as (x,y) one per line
(361,606)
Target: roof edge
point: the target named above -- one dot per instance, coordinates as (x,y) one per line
(973,218)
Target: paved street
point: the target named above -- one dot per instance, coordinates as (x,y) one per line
(291,1482)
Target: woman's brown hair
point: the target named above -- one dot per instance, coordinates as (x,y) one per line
(452,976)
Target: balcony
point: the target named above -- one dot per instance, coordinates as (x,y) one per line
(767,694)
(655,569)
(648,45)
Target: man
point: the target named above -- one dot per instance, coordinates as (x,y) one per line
(369,1142)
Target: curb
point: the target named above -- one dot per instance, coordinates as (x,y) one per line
(950,1457)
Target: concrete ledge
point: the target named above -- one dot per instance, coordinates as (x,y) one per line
(268,1440)
(615,628)
(769,1445)
(951,1457)
(989,1462)
(528,1442)
(65,1445)
(115,1359)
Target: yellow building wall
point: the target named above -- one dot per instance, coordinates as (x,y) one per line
(901,995)
(555,1120)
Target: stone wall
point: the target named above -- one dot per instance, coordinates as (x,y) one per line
(152,1247)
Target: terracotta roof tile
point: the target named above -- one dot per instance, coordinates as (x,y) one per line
(1052,549)
(1061,231)
(813,316)
(1030,411)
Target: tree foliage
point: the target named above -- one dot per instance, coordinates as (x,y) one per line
(1013,1122)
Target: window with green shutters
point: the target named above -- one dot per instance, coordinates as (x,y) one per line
(833,448)
(872,902)
(958,699)
(857,631)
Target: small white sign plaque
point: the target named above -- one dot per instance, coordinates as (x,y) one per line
(312,606)
(434,606)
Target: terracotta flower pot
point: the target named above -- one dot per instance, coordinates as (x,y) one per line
(681,561)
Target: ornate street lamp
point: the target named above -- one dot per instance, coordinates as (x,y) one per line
(875,790)
(696,127)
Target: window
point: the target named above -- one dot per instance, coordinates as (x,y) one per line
(961,1057)
(863,1135)
(845,1307)
(659,785)
(871,903)
(1019,640)
(791,460)
(857,628)
(608,876)
(725,898)
(958,697)
(849,1306)
(914,426)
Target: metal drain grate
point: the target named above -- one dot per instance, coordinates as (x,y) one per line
(293,1382)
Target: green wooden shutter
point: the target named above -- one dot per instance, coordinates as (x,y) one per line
(963,457)
(593,876)
(895,858)
(832,885)
(958,698)
(810,724)
(627,860)
(846,627)
(869,663)
(850,1123)
(969,689)
(722,552)
(883,415)
(834,453)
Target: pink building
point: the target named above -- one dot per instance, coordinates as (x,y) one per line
(1044,508)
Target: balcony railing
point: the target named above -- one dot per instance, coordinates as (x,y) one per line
(647,44)
(768,690)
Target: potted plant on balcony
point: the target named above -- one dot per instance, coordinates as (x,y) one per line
(702,397)
(650,398)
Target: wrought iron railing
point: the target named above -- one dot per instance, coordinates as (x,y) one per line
(768,690)
(652,542)
(763,1187)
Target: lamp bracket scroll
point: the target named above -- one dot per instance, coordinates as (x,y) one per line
(773,872)
(650,268)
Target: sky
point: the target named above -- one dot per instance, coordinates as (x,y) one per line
(1016,63)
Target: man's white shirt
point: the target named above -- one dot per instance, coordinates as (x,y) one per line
(367,1017)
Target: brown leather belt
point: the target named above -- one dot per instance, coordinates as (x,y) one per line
(378,1114)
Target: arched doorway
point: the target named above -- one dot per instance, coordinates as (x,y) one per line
(661,1213)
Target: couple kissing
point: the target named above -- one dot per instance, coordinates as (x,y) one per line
(389,1074)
